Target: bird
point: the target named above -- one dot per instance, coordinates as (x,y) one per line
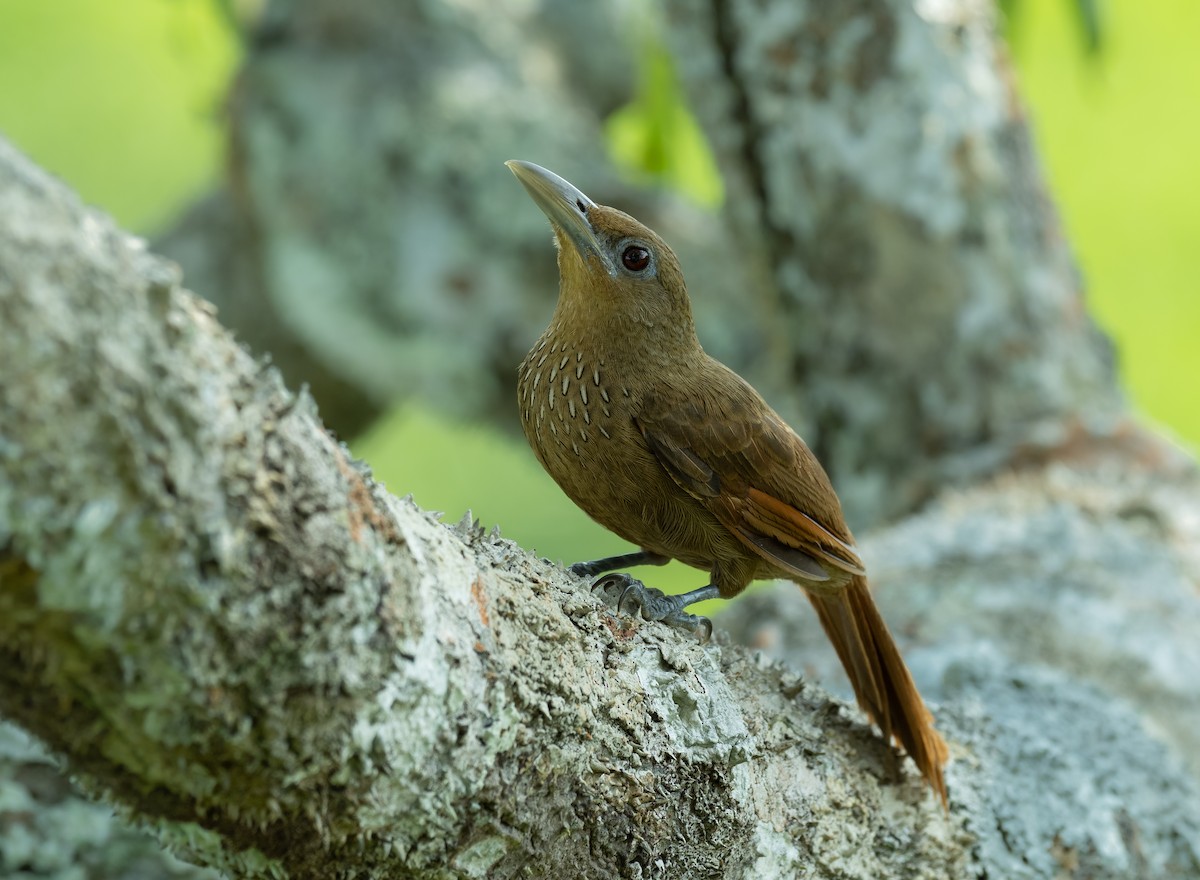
(673,451)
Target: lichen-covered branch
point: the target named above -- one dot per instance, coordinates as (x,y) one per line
(1089,567)
(224,626)
(50,831)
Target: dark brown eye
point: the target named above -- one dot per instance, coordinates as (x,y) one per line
(635,258)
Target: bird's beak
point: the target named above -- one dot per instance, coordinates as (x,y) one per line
(566,207)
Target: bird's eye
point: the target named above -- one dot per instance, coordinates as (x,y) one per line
(635,258)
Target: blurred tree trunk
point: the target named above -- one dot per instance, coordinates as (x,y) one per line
(228,630)
(888,267)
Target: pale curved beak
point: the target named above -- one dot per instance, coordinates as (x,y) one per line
(565,205)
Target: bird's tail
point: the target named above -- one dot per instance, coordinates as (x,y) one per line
(881,680)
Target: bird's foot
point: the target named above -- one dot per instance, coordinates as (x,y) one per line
(631,596)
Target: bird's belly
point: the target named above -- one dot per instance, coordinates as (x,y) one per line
(644,506)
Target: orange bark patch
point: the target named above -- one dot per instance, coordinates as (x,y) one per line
(480,597)
(620,631)
(361,509)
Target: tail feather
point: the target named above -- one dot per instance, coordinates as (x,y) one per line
(881,680)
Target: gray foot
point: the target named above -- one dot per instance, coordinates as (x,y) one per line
(631,596)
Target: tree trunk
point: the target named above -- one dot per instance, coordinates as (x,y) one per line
(921,302)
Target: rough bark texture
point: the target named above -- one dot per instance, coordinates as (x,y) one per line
(1087,566)
(221,624)
(49,829)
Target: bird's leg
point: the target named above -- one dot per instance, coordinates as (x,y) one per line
(636,598)
(612,563)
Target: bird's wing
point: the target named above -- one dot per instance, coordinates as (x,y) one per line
(727,449)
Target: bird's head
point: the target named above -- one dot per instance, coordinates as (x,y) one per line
(614,272)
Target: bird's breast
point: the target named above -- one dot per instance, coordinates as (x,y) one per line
(578,416)
(569,406)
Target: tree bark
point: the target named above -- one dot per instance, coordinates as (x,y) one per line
(219,622)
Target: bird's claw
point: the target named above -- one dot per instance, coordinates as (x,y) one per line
(607,586)
(698,625)
(634,597)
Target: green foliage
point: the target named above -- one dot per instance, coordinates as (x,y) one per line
(1089,22)
(1120,136)
(656,136)
(120,99)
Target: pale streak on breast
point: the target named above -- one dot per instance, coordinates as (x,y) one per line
(559,384)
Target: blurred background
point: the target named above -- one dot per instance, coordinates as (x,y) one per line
(125,102)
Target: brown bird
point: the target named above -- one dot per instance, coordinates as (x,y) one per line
(672,450)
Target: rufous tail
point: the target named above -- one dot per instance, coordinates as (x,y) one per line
(881,680)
